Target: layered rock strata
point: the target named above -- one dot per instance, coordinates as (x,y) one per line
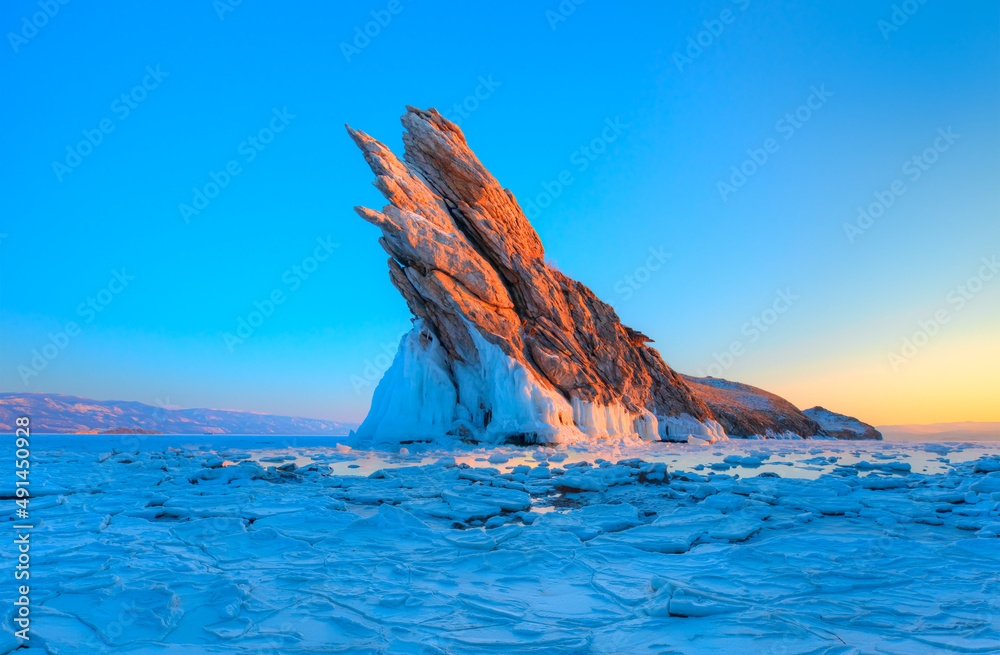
(505,347)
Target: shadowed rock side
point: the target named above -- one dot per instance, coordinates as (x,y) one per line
(492,315)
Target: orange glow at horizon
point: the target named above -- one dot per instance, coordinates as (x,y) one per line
(956,380)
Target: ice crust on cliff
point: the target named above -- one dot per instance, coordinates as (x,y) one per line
(426,396)
(687,428)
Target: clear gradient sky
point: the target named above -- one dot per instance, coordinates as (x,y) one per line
(217,74)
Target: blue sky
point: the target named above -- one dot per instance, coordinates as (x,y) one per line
(214,80)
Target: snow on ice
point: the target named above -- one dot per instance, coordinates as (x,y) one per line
(251,545)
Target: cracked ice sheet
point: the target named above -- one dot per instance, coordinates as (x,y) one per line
(786,547)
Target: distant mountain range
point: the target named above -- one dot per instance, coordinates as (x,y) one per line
(961,431)
(58,413)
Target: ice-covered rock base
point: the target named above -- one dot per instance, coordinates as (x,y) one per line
(426,396)
(283,547)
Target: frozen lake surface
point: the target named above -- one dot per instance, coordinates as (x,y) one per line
(230,544)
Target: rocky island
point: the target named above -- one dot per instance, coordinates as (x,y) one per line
(505,348)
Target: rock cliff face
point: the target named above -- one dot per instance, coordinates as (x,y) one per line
(506,347)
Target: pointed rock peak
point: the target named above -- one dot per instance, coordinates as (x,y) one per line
(504,347)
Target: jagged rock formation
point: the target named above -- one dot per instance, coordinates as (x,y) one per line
(506,347)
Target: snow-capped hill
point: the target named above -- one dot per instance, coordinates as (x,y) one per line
(840,426)
(58,413)
(505,347)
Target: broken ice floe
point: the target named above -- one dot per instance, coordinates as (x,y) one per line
(791,548)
